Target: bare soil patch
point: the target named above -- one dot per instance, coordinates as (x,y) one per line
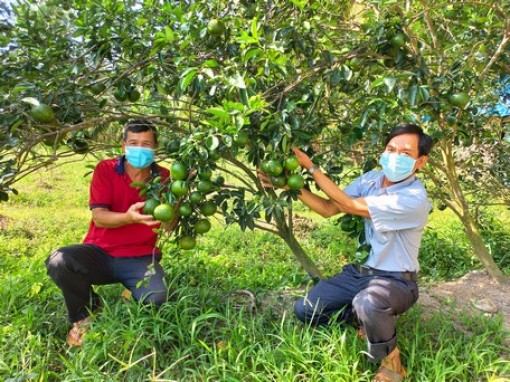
(475,293)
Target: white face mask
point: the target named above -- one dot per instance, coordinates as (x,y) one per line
(397,167)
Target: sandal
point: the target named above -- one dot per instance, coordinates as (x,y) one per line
(387,375)
(79,329)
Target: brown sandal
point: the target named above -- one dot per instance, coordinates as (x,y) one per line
(75,335)
(387,375)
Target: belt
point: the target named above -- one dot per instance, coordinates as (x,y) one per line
(365,270)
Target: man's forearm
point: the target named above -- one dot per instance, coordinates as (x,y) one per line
(340,199)
(109,219)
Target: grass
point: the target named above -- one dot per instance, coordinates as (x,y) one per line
(207,332)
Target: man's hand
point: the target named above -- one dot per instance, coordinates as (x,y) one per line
(105,218)
(134,215)
(266,180)
(304,160)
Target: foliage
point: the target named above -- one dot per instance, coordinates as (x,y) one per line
(325,76)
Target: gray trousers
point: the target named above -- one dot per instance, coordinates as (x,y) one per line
(375,300)
(76,268)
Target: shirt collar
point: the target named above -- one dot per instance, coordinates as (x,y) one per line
(399,185)
(121,163)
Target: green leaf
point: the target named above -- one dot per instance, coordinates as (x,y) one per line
(211,63)
(390,83)
(218,112)
(237,81)
(186,78)
(378,82)
(212,142)
(31,101)
(254,29)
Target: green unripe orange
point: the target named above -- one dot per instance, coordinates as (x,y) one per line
(178,171)
(164,212)
(187,242)
(42,113)
(216,27)
(202,226)
(208,208)
(179,187)
(295,182)
(150,205)
(460,99)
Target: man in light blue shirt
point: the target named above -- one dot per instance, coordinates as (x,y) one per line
(394,205)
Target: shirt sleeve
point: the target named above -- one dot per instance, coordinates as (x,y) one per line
(101,188)
(398,211)
(353,190)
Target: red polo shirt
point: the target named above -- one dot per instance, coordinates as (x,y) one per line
(110,188)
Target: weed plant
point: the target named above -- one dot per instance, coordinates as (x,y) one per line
(209,331)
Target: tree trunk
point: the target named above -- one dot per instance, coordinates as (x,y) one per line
(480,249)
(460,207)
(301,255)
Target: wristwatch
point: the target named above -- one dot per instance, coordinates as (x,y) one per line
(312,169)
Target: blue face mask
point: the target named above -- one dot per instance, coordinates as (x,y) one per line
(139,157)
(396,167)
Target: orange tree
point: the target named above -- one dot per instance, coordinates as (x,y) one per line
(234,84)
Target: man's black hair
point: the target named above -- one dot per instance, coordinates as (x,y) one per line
(139,126)
(425,142)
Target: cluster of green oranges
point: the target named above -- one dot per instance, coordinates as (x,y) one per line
(186,201)
(282,172)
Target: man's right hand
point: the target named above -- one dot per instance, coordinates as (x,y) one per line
(135,216)
(105,218)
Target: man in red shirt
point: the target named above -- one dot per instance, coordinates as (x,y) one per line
(120,246)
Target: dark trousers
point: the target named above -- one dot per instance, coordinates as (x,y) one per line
(375,300)
(77,267)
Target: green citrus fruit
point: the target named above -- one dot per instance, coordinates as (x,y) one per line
(219,180)
(295,182)
(185,209)
(264,166)
(460,99)
(274,168)
(204,173)
(179,187)
(216,27)
(187,242)
(202,226)
(195,197)
(150,205)
(208,208)
(291,163)
(97,88)
(173,147)
(134,95)
(120,95)
(204,186)
(242,138)
(42,113)
(398,41)
(164,212)
(279,181)
(178,171)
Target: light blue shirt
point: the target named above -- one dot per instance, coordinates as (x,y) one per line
(398,215)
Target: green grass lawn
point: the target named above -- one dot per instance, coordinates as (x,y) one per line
(208,332)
